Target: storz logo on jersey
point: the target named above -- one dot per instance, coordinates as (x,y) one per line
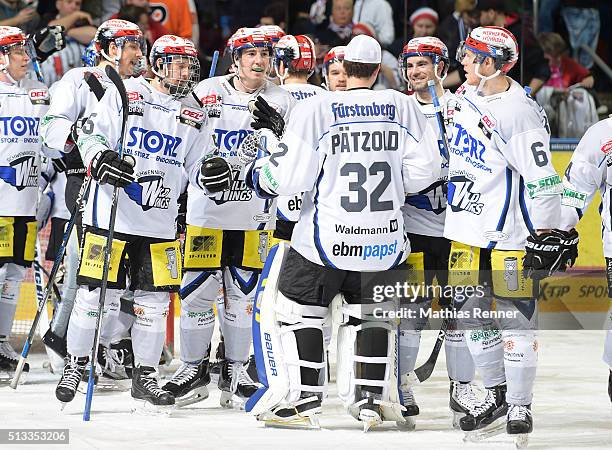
(21,173)
(469,148)
(153,141)
(149,192)
(19,126)
(230,140)
(461,197)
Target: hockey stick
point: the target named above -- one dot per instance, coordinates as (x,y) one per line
(213,64)
(118,82)
(42,301)
(431,84)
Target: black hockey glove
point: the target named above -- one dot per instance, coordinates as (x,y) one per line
(216,175)
(267,117)
(550,252)
(59,164)
(49,40)
(181,218)
(107,167)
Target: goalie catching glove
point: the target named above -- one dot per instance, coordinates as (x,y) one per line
(549,252)
(108,167)
(266,117)
(215,175)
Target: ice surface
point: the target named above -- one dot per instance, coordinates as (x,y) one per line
(571,410)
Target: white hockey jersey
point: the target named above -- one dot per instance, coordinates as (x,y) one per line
(354,154)
(58,186)
(502,184)
(590,169)
(230,122)
(22,106)
(424,210)
(168,141)
(72,99)
(288,207)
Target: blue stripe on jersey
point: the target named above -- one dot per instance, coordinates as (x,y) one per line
(504,213)
(281,216)
(94,215)
(480,112)
(12,93)
(199,280)
(160,106)
(246,286)
(524,206)
(315,219)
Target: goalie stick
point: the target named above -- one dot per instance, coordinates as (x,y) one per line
(118,82)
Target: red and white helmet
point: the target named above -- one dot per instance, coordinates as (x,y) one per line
(491,42)
(11,38)
(118,31)
(167,53)
(245,38)
(273,32)
(425,46)
(336,54)
(296,53)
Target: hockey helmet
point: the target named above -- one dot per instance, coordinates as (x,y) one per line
(170,56)
(297,53)
(118,31)
(491,42)
(425,46)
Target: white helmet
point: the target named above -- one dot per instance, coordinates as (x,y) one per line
(168,50)
(11,38)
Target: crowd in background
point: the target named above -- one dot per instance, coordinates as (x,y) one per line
(556,46)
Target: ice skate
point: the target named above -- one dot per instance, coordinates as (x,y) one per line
(304,413)
(462,401)
(113,365)
(235,384)
(188,384)
(484,421)
(412,409)
(519,424)
(73,374)
(148,397)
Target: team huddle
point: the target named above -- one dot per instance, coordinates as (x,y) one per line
(291,197)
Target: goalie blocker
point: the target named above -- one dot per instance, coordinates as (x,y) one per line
(291,309)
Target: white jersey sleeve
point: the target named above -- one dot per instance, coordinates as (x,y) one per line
(22,107)
(355,154)
(588,171)
(167,140)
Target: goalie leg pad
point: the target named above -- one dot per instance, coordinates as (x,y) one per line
(288,342)
(367,362)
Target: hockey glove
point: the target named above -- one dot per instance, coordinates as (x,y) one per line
(550,252)
(215,175)
(267,117)
(107,167)
(49,40)
(59,164)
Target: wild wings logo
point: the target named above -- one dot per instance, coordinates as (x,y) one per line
(149,192)
(21,173)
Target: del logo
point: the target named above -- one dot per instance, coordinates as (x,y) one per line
(230,139)
(20,173)
(239,192)
(153,141)
(133,96)
(39,96)
(488,121)
(461,197)
(429,199)
(191,117)
(607,147)
(149,192)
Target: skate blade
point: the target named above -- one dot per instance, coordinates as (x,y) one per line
(231,401)
(195,396)
(521,441)
(298,423)
(145,408)
(496,428)
(457,418)
(6,377)
(109,384)
(371,419)
(409,424)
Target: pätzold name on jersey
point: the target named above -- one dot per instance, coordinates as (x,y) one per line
(347,141)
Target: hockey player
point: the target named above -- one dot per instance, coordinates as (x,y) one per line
(333,70)
(120,44)
(585,174)
(228,235)
(354,153)
(424,59)
(23,103)
(164,141)
(503,205)
(294,62)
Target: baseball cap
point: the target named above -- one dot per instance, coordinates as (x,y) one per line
(363,49)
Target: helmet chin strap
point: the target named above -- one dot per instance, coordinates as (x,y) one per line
(283,77)
(4,69)
(484,79)
(114,60)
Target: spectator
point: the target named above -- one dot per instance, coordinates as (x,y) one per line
(389,77)
(546,13)
(424,22)
(15,13)
(380,15)
(155,29)
(79,32)
(175,15)
(274,14)
(565,71)
(582,20)
(532,69)
(452,30)
(337,29)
